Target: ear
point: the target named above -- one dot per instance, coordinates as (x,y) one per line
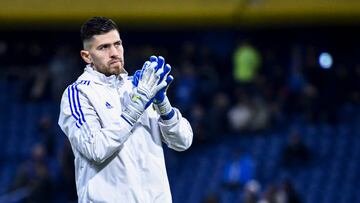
(85,55)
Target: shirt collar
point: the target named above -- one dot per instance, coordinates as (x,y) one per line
(112,80)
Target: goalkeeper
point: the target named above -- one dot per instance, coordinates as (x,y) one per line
(115,134)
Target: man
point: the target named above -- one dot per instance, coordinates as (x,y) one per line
(115,134)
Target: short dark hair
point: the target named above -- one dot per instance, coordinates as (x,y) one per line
(96,26)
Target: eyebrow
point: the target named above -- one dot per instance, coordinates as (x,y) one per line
(107,44)
(102,45)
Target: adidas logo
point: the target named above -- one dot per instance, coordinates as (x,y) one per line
(108,105)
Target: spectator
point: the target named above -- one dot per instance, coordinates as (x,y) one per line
(296,153)
(296,85)
(261,114)
(241,114)
(62,70)
(68,173)
(247,61)
(251,192)
(287,193)
(185,88)
(47,135)
(354,92)
(211,198)
(238,170)
(39,85)
(269,195)
(197,120)
(34,175)
(216,119)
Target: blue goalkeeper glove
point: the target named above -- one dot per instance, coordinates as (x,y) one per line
(160,96)
(148,85)
(162,104)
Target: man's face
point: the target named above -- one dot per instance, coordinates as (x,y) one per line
(105,52)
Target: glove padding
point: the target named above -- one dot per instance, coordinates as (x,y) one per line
(160,96)
(162,104)
(150,82)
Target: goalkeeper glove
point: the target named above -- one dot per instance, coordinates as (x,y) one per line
(149,83)
(162,104)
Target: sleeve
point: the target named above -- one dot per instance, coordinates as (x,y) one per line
(176,132)
(81,124)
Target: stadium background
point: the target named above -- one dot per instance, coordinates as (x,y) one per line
(250,121)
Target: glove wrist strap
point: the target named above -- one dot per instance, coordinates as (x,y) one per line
(164,109)
(131,114)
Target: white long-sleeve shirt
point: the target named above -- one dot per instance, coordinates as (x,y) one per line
(114,161)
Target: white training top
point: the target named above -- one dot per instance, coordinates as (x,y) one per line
(114,161)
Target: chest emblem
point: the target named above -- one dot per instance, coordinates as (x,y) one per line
(108,105)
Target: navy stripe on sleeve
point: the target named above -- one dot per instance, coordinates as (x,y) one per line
(78,101)
(71,108)
(74,102)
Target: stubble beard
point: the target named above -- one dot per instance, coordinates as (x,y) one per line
(117,69)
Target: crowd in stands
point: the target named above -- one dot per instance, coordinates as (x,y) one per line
(225,84)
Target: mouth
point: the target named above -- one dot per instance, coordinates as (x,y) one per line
(114,61)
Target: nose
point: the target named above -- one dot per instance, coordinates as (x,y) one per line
(114,52)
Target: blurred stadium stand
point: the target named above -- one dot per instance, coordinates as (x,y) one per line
(199,39)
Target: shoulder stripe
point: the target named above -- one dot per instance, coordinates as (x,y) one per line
(83,82)
(71,107)
(74,103)
(78,101)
